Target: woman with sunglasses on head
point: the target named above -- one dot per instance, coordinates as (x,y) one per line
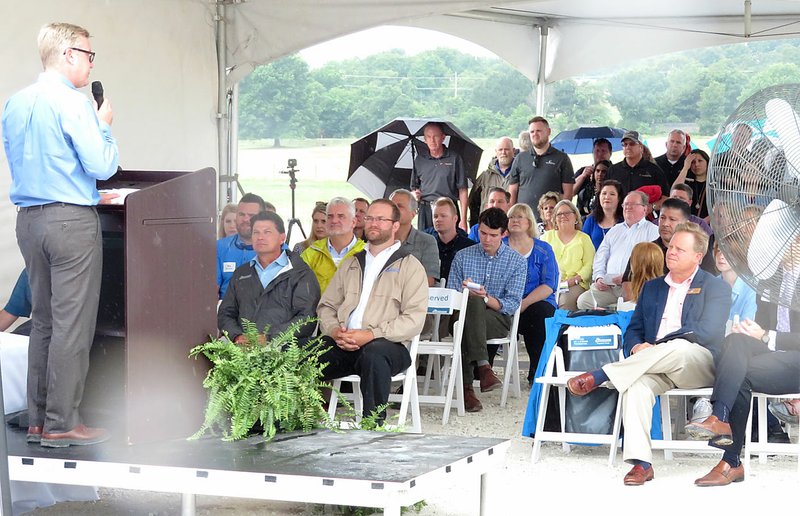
(318,217)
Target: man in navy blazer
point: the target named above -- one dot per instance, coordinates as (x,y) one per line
(675,332)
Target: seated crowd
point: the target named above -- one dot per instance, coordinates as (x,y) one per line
(639,233)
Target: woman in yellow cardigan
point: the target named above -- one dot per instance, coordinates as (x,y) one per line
(574,254)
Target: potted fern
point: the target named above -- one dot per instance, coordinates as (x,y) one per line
(274,382)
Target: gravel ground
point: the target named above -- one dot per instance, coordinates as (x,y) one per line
(519,487)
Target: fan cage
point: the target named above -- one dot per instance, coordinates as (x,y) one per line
(755,160)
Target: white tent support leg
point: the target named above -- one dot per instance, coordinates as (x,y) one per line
(540,78)
(233,143)
(222,101)
(188,504)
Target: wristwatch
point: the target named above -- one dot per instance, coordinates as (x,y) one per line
(765,338)
(486,299)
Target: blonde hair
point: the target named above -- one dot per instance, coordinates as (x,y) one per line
(320,207)
(229,208)
(526,211)
(55,38)
(700,236)
(647,262)
(446,201)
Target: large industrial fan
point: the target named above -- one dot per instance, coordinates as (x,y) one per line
(754,192)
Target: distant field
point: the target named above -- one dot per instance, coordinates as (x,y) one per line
(323,166)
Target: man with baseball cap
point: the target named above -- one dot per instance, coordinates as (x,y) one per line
(634,171)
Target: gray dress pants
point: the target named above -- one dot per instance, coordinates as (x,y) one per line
(62,247)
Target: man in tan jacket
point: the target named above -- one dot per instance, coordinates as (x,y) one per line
(376,301)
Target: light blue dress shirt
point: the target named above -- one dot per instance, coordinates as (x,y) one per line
(270,272)
(56,146)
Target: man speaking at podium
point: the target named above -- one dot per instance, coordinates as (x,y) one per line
(58,143)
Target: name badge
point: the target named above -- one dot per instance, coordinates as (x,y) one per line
(228,266)
(695,290)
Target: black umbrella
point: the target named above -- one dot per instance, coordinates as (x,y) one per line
(581,140)
(381,161)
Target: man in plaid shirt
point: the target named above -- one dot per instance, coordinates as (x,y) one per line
(495,276)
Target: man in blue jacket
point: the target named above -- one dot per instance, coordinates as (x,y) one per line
(675,332)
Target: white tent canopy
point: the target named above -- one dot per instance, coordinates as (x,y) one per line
(162,62)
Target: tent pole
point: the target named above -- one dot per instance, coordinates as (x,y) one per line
(748,13)
(233,142)
(540,84)
(222,126)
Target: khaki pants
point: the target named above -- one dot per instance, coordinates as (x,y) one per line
(653,371)
(603,298)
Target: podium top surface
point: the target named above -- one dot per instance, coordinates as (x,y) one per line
(353,454)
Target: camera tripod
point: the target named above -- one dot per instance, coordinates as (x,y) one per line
(294,221)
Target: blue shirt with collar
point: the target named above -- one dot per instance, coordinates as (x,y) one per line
(336,256)
(268,273)
(744,301)
(231,253)
(502,275)
(56,146)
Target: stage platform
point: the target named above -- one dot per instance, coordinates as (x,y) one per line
(359,468)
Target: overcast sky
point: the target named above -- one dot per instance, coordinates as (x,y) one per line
(380,39)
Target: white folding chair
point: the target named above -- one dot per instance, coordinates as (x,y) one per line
(762,447)
(444,356)
(625,306)
(556,375)
(668,441)
(510,362)
(409,397)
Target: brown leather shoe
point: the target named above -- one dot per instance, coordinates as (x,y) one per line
(81,435)
(711,429)
(581,385)
(638,475)
(34,434)
(489,381)
(471,402)
(721,475)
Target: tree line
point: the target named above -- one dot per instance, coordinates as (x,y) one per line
(485,97)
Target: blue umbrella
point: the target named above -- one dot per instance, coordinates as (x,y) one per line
(580,140)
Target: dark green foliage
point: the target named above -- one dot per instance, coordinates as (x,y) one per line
(276,384)
(488,98)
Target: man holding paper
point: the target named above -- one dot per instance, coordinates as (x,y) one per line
(612,255)
(676,330)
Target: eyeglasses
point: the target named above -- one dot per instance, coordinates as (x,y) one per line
(564,214)
(379,220)
(631,205)
(87,52)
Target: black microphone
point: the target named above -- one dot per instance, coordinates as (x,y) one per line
(97,93)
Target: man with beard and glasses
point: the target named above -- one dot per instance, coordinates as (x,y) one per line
(237,249)
(375,302)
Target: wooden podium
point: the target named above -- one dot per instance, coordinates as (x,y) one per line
(157,301)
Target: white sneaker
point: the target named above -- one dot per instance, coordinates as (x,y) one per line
(701,410)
